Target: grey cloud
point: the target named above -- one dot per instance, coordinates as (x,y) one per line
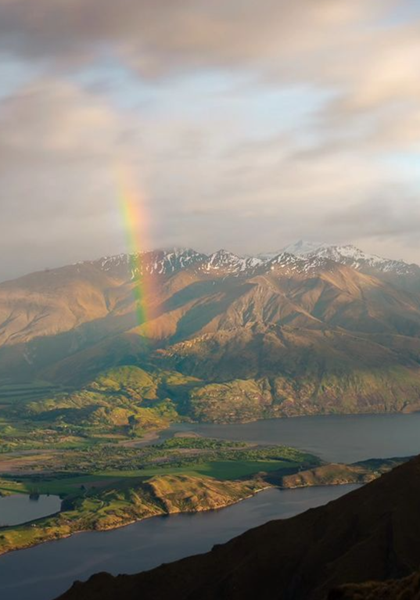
(57,191)
(208,182)
(395,213)
(182,34)
(342,46)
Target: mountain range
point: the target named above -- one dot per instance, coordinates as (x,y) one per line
(310,329)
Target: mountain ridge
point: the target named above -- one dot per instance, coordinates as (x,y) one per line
(163,261)
(290,335)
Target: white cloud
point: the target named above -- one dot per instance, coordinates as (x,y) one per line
(57,150)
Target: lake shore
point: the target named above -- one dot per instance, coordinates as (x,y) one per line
(215,495)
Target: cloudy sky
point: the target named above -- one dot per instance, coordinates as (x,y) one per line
(246,125)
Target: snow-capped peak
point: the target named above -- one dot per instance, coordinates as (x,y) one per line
(300,248)
(348,255)
(292,264)
(227,261)
(357,259)
(303,247)
(302,257)
(161,262)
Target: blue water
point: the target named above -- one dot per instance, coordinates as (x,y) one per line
(334,438)
(20,508)
(43,572)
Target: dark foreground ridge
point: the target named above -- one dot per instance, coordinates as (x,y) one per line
(399,589)
(369,535)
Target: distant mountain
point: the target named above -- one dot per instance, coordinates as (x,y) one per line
(330,331)
(160,262)
(369,535)
(167,262)
(357,259)
(368,263)
(303,248)
(348,255)
(300,248)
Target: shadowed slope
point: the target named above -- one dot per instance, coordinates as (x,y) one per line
(407,588)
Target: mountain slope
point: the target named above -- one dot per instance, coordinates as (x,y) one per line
(370,534)
(288,335)
(397,272)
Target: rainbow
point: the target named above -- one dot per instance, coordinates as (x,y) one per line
(134,219)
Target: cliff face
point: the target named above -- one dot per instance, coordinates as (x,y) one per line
(371,534)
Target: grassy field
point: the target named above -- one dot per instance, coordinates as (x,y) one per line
(27,392)
(126,503)
(109,485)
(83,446)
(222,470)
(75,483)
(61,486)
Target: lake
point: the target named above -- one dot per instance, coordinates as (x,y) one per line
(43,572)
(21,508)
(346,439)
